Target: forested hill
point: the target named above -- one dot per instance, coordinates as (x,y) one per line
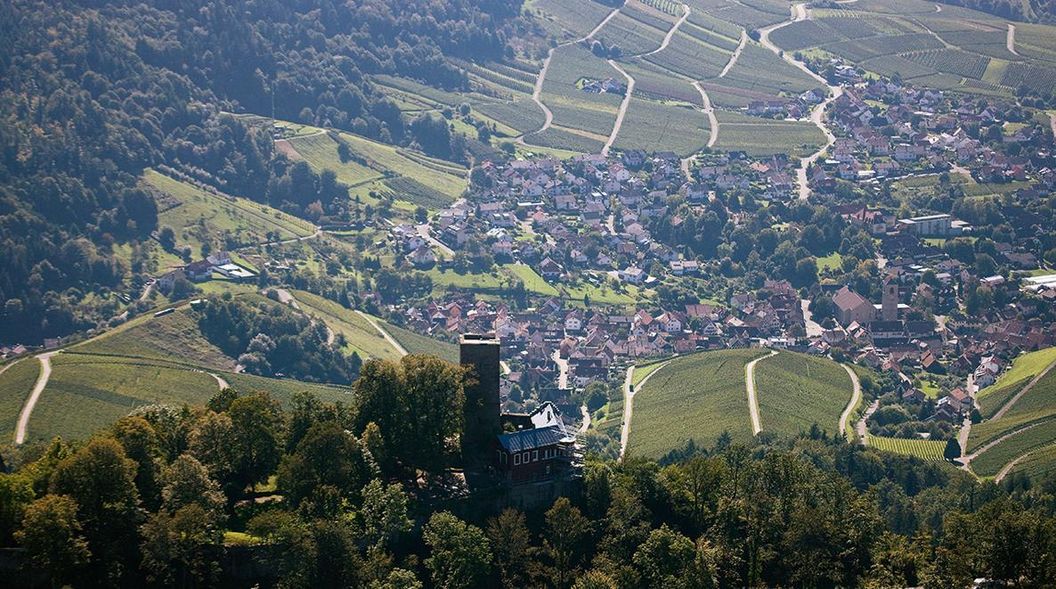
(93,92)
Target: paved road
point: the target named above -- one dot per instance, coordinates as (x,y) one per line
(966,459)
(861,427)
(562,370)
(623,107)
(966,425)
(1030,385)
(736,53)
(583,427)
(753,401)
(814,329)
(629,392)
(856,397)
(817,114)
(1010,40)
(34,396)
(426,234)
(385,334)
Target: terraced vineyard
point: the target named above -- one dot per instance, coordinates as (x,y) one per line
(796,391)
(696,397)
(360,336)
(924,449)
(15,385)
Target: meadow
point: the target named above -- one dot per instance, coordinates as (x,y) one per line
(416,343)
(695,397)
(759,136)
(796,391)
(197,215)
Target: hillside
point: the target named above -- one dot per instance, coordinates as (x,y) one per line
(696,397)
(796,391)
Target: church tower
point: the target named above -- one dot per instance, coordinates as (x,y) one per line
(889,302)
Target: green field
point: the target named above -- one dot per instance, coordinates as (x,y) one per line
(1039,466)
(361,337)
(642,371)
(990,462)
(1025,366)
(695,397)
(416,343)
(1037,405)
(86,393)
(15,385)
(925,449)
(796,391)
(197,216)
(759,136)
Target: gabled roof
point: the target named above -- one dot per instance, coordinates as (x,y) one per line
(532,439)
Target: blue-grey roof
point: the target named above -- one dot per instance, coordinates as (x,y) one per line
(531,439)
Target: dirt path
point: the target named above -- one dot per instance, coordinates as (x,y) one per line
(817,114)
(856,397)
(628,402)
(385,334)
(1010,40)
(623,108)
(968,458)
(34,396)
(1001,474)
(1030,385)
(713,121)
(670,33)
(736,53)
(938,8)
(753,401)
(537,91)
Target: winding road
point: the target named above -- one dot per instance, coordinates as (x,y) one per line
(856,397)
(537,91)
(753,401)
(670,33)
(861,428)
(34,396)
(817,114)
(629,390)
(736,53)
(713,121)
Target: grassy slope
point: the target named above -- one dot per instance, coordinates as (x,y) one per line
(86,393)
(359,333)
(174,337)
(416,343)
(695,397)
(15,385)
(1038,405)
(796,391)
(246,221)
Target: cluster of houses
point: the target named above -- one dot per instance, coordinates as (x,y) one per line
(887,130)
(606,86)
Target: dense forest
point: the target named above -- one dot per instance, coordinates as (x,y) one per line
(92,93)
(361,495)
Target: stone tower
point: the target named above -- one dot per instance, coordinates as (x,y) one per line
(480,354)
(889,302)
